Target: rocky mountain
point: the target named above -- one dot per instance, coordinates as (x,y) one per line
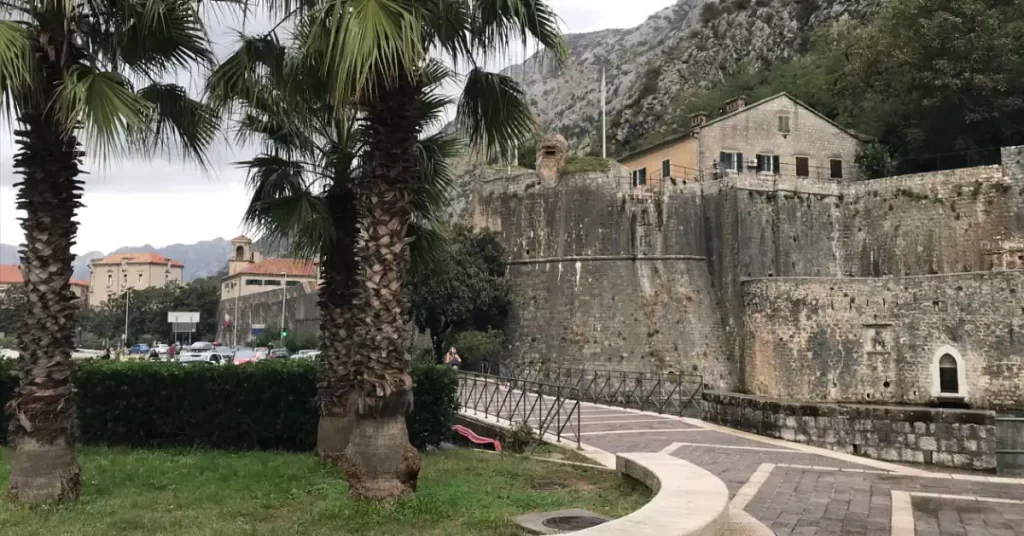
(201,259)
(691,45)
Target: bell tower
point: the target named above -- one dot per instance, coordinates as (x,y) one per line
(242,255)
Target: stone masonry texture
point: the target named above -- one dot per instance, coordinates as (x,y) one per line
(799,289)
(948,437)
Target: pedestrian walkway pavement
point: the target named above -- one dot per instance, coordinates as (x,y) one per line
(784,488)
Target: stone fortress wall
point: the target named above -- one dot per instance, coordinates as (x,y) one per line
(775,287)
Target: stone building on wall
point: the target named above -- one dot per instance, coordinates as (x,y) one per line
(115,274)
(249,273)
(906,290)
(776,136)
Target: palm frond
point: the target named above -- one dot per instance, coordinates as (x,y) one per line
(177,122)
(17,63)
(258,61)
(156,36)
(369,43)
(284,206)
(104,104)
(500,23)
(493,112)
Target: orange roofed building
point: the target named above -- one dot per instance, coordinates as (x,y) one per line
(115,274)
(249,273)
(11,276)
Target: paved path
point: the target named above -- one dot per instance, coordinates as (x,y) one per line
(791,489)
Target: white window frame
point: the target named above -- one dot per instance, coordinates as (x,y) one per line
(738,164)
(778,124)
(769,168)
(961,373)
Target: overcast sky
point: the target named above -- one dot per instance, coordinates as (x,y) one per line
(161,202)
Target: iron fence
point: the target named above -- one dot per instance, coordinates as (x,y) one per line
(1010,444)
(671,393)
(547,408)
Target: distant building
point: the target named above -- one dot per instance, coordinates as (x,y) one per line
(249,273)
(11,276)
(776,136)
(115,274)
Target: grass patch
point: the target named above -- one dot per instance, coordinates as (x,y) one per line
(581,164)
(462,492)
(567,453)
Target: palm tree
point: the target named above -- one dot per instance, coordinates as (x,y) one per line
(308,185)
(68,74)
(376,52)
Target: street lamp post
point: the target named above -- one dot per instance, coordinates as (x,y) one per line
(284,290)
(127,300)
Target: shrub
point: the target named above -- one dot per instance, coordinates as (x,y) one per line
(266,405)
(740,5)
(519,438)
(581,164)
(480,350)
(435,405)
(709,12)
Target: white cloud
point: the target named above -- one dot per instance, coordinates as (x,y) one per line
(160,202)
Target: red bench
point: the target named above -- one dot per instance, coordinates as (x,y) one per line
(475,439)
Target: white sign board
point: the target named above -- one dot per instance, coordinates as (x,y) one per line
(182,318)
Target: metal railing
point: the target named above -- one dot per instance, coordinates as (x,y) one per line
(547,408)
(671,393)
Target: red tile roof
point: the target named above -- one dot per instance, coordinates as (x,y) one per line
(137,258)
(294,267)
(241,237)
(10,274)
(79,283)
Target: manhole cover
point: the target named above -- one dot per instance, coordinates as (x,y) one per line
(570,523)
(548,485)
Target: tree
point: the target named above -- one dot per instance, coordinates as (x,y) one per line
(66,75)
(147,312)
(377,51)
(469,291)
(308,188)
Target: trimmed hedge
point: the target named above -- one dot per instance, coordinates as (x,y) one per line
(265,406)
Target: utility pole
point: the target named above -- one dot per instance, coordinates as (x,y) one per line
(604,120)
(127,300)
(284,289)
(234,321)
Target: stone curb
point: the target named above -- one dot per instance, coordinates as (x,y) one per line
(688,500)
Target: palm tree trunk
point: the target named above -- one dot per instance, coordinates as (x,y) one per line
(378,460)
(337,324)
(43,411)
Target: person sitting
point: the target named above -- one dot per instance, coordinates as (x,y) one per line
(452,359)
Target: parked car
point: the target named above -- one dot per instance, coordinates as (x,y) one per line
(159,351)
(278,353)
(244,355)
(201,352)
(139,349)
(262,352)
(306,354)
(225,353)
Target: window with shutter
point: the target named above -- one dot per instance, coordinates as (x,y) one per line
(803,166)
(731,162)
(775,164)
(739,162)
(642,176)
(784,124)
(762,163)
(666,168)
(836,168)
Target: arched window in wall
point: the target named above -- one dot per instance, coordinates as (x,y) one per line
(949,374)
(948,381)
(239,252)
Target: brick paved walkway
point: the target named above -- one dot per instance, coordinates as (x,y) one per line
(802,490)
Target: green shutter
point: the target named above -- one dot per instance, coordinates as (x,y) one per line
(739,162)
(775,164)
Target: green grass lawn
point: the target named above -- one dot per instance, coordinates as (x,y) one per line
(155,492)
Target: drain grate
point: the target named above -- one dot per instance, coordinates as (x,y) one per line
(571,523)
(560,522)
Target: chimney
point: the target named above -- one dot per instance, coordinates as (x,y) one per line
(735,104)
(698,119)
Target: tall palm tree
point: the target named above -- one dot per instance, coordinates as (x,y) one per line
(308,185)
(376,50)
(74,71)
